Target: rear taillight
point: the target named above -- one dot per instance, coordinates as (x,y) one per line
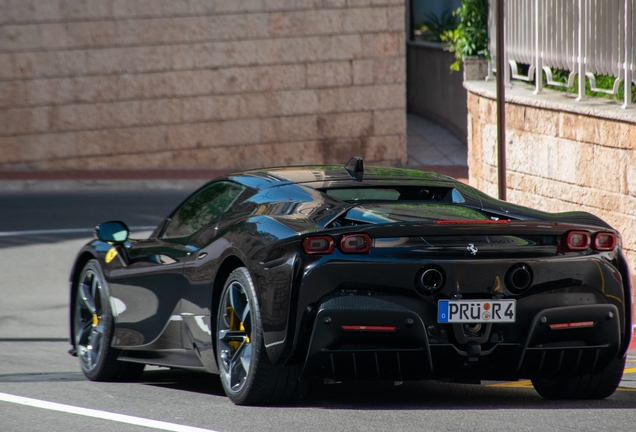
(578,240)
(318,245)
(582,240)
(349,243)
(355,243)
(604,241)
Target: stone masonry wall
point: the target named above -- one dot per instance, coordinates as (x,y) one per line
(212,84)
(561,155)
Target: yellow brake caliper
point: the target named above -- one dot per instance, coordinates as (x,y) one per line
(247,338)
(235,325)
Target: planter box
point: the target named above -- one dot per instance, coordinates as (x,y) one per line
(475,68)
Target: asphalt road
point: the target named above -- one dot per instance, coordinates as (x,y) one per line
(42,388)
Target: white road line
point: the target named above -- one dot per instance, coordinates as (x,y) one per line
(138,421)
(62,231)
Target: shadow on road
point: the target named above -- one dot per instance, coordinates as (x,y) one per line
(422,395)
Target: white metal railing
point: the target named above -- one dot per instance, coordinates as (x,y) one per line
(583,37)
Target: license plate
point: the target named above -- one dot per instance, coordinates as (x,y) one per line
(476,311)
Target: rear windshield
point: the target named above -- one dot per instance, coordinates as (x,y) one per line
(396,193)
(387,213)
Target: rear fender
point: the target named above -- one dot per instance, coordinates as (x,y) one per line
(274,285)
(623,268)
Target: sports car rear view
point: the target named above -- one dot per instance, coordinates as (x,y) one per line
(274,277)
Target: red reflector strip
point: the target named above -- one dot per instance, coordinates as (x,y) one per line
(471,222)
(369,328)
(572,325)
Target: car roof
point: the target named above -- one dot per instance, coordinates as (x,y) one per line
(326,176)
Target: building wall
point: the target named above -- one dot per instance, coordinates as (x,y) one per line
(434,91)
(561,155)
(124,84)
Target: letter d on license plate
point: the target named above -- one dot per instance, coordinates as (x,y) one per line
(476,311)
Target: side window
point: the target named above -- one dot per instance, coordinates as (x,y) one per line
(202,209)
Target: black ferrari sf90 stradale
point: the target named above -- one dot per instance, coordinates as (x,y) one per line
(273,277)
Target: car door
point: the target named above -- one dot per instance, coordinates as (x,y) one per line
(200,270)
(147,292)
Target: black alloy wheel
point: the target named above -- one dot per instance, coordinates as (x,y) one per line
(247,374)
(92,330)
(588,386)
(234,336)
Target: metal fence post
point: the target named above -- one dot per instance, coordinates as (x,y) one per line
(501,103)
(629,60)
(538,59)
(582,51)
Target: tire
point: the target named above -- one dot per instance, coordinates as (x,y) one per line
(588,386)
(93,330)
(246,372)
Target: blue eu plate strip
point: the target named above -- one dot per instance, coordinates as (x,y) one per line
(442,311)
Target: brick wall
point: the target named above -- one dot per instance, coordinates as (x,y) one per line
(124,84)
(560,155)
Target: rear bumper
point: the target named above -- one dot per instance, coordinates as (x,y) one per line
(369,337)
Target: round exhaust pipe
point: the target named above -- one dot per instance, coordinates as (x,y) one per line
(518,278)
(429,280)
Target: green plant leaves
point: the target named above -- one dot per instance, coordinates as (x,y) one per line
(470,38)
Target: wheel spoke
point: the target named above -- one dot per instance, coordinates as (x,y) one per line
(96,339)
(232,336)
(245,316)
(87,298)
(247,321)
(96,290)
(246,357)
(91,356)
(237,370)
(238,300)
(82,333)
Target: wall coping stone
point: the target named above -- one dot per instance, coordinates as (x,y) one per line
(523,94)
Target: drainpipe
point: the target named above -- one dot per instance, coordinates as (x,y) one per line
(501,103)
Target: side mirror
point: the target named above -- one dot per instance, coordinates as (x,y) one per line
(113,231)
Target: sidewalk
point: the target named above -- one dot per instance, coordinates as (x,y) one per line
(429,147)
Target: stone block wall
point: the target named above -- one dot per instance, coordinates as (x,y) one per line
(207,84)
(561,155)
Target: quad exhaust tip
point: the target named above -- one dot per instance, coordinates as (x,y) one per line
(429,280)
(518,278)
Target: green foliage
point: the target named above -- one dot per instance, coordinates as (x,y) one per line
(434,27)
(470,38)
